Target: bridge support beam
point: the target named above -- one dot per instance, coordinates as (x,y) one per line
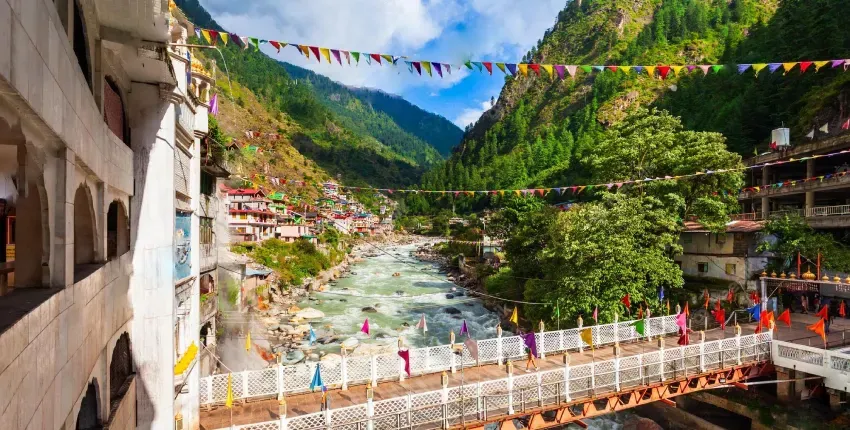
(834,399)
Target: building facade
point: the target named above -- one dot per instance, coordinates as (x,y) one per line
(729,256)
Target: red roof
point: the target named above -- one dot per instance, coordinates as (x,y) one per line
(245,192)
(731,227)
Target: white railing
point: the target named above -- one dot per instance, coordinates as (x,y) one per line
(355,370)
(518,393)
(833,366)
(828,210)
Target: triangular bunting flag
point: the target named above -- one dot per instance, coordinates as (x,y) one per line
(805,65)
(356,56)
(511,68)
(387,57)
(335,52)
(418,67)
(559,69)
(626,69)
(523,68)
(535,67)
(824,128)
(427,66)
(743,68)
(548,69)
(663,71)
(716,68)
(276,45)
(705,69)
(650,70)
(677,69)
(468,64)
(326,53)
(819,64)
(571,70)
(438,69)
(586,69)
(477,65)
(501,67)
(811,134)
(611,68)
(758,67)
(772,67)
(224,36)
(315,51)
(376,57)
(488,66)
(788,66)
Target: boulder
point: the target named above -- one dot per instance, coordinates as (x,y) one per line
(350,343)
(310,313)
(640,423)
(292,357)
(369,310)
(451,310)
(450,296)
(332,358)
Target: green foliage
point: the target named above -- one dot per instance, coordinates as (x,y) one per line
(788,235)
(594,254)
(292,261)
(232,291)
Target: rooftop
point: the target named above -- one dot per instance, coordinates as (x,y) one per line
(731,227)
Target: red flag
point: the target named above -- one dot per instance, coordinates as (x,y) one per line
(785,317)
(376,57)
(663,71)
(823,312)
(535,67)
(612,68)
(717,306)
(804,65)
(315,51)
(488,66)
(842,310)
(685,338)
(730,296)
(846,125)
(213,36)
(758,328)
(720,317)
(275,44)
(818,328)
(626,301)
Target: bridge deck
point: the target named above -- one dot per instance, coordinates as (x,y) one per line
(307,403)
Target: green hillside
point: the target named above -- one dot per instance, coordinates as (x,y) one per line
(540,131)
(347,136)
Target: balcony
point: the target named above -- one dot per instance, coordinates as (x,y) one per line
(209,306)
(817,217)
(215,160)
(822,183)
(209,256)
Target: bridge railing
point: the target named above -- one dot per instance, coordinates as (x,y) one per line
(353,370)
(833,366)
(518,393)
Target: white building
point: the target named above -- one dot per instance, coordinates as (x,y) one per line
(101,207)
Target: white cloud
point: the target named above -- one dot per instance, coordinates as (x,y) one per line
(438,30)
(470,115)
(433,94)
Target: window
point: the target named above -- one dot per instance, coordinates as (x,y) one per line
(81,44)
(207,184)
(206,230)
(730,269)
(702,267)
(113,110)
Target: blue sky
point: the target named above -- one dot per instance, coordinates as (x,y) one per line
(445,31)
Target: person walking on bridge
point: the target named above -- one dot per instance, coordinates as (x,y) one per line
(530,351)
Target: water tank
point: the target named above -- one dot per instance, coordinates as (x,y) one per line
(781,137)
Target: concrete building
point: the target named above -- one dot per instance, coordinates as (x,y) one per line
(802,182)
(729,256)
(250,218)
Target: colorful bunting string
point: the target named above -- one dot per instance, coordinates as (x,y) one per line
(431,67)
(578,189)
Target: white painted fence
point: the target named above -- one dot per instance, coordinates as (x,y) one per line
(833,366)
(518,393)
(280,380)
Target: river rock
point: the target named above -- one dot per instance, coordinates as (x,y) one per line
(451,310)
(332,359)
(292,357)
(640,423)
(310,313)
(450,296)
(369,310)
(350,343)
(328,339)
(273,327)
(399,293)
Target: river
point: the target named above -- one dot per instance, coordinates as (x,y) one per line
(399,289)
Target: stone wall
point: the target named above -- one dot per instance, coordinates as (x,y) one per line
(124,417)
(49,356)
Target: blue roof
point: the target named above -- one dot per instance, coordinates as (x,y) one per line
(257,272)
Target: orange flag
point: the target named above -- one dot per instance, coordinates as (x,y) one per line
(818,328)
(640,312)
(687,311)
(823,312)
(706,297)
(785,317)
(842,311)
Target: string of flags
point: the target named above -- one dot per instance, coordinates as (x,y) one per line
(431,68)
(578,189)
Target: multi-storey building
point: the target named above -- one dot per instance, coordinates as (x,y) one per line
(728,256)
(250,218)
(801,181)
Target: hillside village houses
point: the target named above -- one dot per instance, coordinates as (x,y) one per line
(96,110)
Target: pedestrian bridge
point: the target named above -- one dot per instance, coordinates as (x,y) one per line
(448,390)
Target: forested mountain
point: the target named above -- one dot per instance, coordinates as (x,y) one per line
(383,114)
(328,122)
(540,131)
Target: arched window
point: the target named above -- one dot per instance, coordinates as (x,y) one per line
(81,44)
(114,113)
(88,417)
(84,227)
(120,368)
(117,231)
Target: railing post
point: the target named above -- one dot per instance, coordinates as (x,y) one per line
(479,400)
(328,423)
(539,389)
(702,351)
(580,323)
(738,342)
(245,384)
(374,363)
(567,377)
(279,378)
(343,368)
(541,346)
(400,361)
(409,407)
(445,399)
(210,396)
(370,408)
(616,328)
(451,349)
(281,412)
(617,367)
(510,368)
(661,357)
(499,345)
